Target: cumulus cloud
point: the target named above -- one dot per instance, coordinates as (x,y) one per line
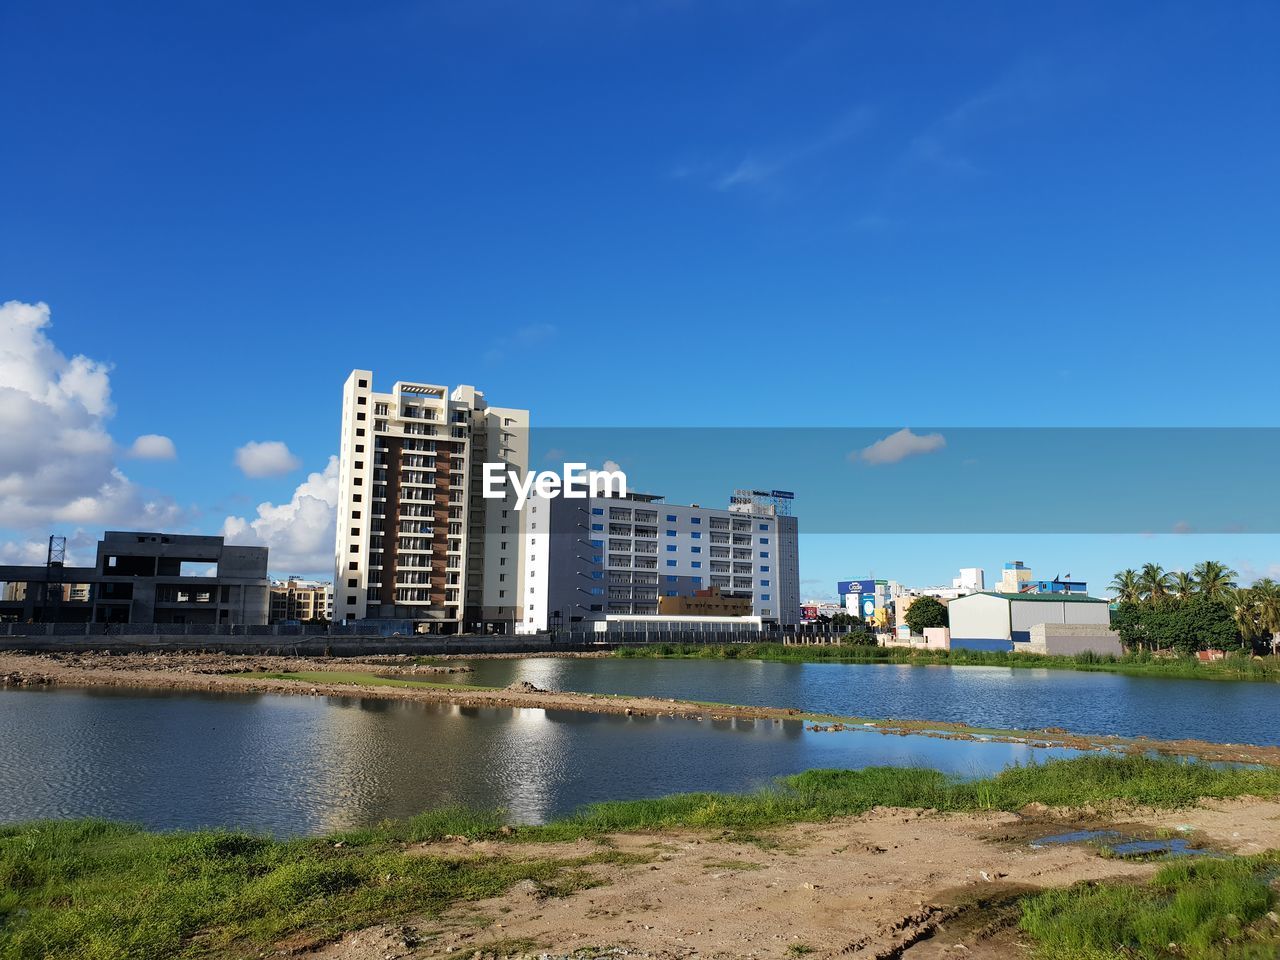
(153,446)
(24,552)
(57,459)
(898,446)
(300,533)
(82,547)
(599,484)
(269,458)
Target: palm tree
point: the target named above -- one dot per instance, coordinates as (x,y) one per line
(1184,585)
(1154,583)
(1126,586)
(1213,578)
(1266,598)
(1244,611)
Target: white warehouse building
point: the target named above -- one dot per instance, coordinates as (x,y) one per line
(1004,621)
(592,558)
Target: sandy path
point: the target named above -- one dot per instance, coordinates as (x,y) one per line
(875,886)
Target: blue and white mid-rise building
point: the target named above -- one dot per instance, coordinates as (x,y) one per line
(594,557)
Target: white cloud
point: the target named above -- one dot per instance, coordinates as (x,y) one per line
(598,484)
(82,547)
(898,446)
(269,458)
(757,168)
(153,446)
(57,459)
(300,533)
(24,553)
(1250,572)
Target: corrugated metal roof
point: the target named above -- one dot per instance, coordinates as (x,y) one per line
(1039,597)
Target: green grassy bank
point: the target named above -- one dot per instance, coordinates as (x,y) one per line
(1238,667)
(90,889)
(1191,910)
(359,679)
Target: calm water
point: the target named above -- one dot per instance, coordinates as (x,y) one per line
(1219,710)
(293,764)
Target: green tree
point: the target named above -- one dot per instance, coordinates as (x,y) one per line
(1126,586)
(926,612)
(1213,579)
(1245,614)
(1196,624)
(1266,594)
(1184,585)
(1127,620)
(1155,583)
(1182,625)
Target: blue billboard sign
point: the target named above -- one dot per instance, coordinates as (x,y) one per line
(855,586)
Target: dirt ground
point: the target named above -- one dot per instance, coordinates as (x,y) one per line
(891,884)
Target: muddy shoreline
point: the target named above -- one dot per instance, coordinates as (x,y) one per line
(891,884)
(219,673)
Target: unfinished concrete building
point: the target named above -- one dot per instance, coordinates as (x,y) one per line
(144,577)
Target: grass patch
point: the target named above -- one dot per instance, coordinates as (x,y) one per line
(97,890)
(1202,910)
(823,794)
(1235,667)
(93,890)
(352,678)
(510,946)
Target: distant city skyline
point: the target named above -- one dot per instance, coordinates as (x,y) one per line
(923,219)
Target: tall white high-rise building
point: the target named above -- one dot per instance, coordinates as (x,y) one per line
(416,539)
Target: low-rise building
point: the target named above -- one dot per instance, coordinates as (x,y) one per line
(1071,639)
(1016,577)
(1004,621)
(306,601)
(870,600)
(813,610)
(971,580)
(144,577)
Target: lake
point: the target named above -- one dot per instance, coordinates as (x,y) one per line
(1222,711)
(302,765)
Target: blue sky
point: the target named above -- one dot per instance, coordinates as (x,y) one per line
(645,214)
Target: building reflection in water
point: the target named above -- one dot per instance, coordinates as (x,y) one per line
(298,765)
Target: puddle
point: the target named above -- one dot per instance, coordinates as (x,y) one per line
(1118,844)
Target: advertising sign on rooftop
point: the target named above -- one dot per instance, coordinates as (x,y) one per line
(855,586)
